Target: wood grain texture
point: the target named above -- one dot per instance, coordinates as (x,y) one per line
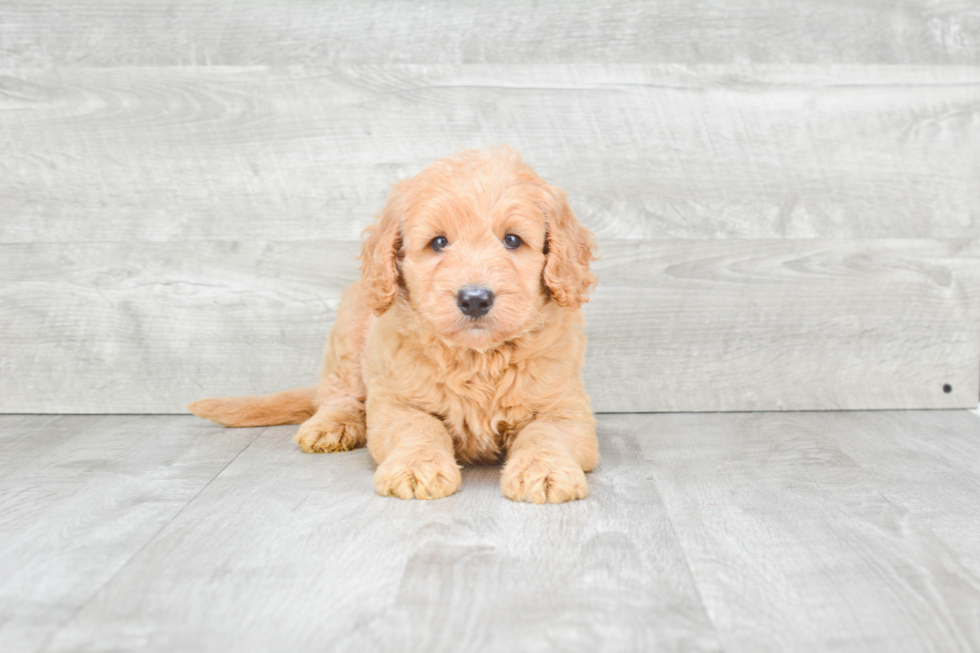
(703,532)
(644,151)
(79,497)
(785,325)
(138,328)
(942,491)
(134,33)
(794,545)
(673,325)
(291,551)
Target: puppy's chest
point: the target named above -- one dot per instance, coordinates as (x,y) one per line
(484,411)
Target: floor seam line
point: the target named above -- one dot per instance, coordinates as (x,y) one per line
(88,599)
(687,562)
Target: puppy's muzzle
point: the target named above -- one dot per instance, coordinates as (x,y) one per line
(474,301)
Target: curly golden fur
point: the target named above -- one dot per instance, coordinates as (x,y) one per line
(426,386)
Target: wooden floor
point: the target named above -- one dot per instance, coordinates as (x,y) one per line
(847,531)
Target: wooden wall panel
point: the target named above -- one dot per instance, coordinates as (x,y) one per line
(206,32)
(658,151)
(673,325)
(785,325)
(172,175)
(146,327)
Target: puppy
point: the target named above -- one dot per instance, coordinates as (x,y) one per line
(461,342)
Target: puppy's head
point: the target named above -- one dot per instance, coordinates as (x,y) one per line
(477,245)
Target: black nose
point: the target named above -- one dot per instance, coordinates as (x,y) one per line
(474,301)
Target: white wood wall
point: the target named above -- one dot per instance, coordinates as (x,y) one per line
(792,188)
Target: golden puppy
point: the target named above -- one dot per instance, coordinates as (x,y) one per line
(462,341)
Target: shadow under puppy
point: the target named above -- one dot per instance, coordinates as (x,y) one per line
(462,341)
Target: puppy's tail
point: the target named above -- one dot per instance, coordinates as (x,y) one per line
(287,407)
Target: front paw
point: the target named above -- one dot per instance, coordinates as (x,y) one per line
(418,475)
(541,477)
(332,430)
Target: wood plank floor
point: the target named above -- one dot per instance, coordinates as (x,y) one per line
(843,531)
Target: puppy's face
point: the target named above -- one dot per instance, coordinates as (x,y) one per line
(472,266)
(478,245)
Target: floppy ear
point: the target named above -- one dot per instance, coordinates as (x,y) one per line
(379,255)
(569,247)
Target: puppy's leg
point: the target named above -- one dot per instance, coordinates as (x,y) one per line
(547,461)
(338,424)
(413,449)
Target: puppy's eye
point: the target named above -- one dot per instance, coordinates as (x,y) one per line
(512,241)
(438,243)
